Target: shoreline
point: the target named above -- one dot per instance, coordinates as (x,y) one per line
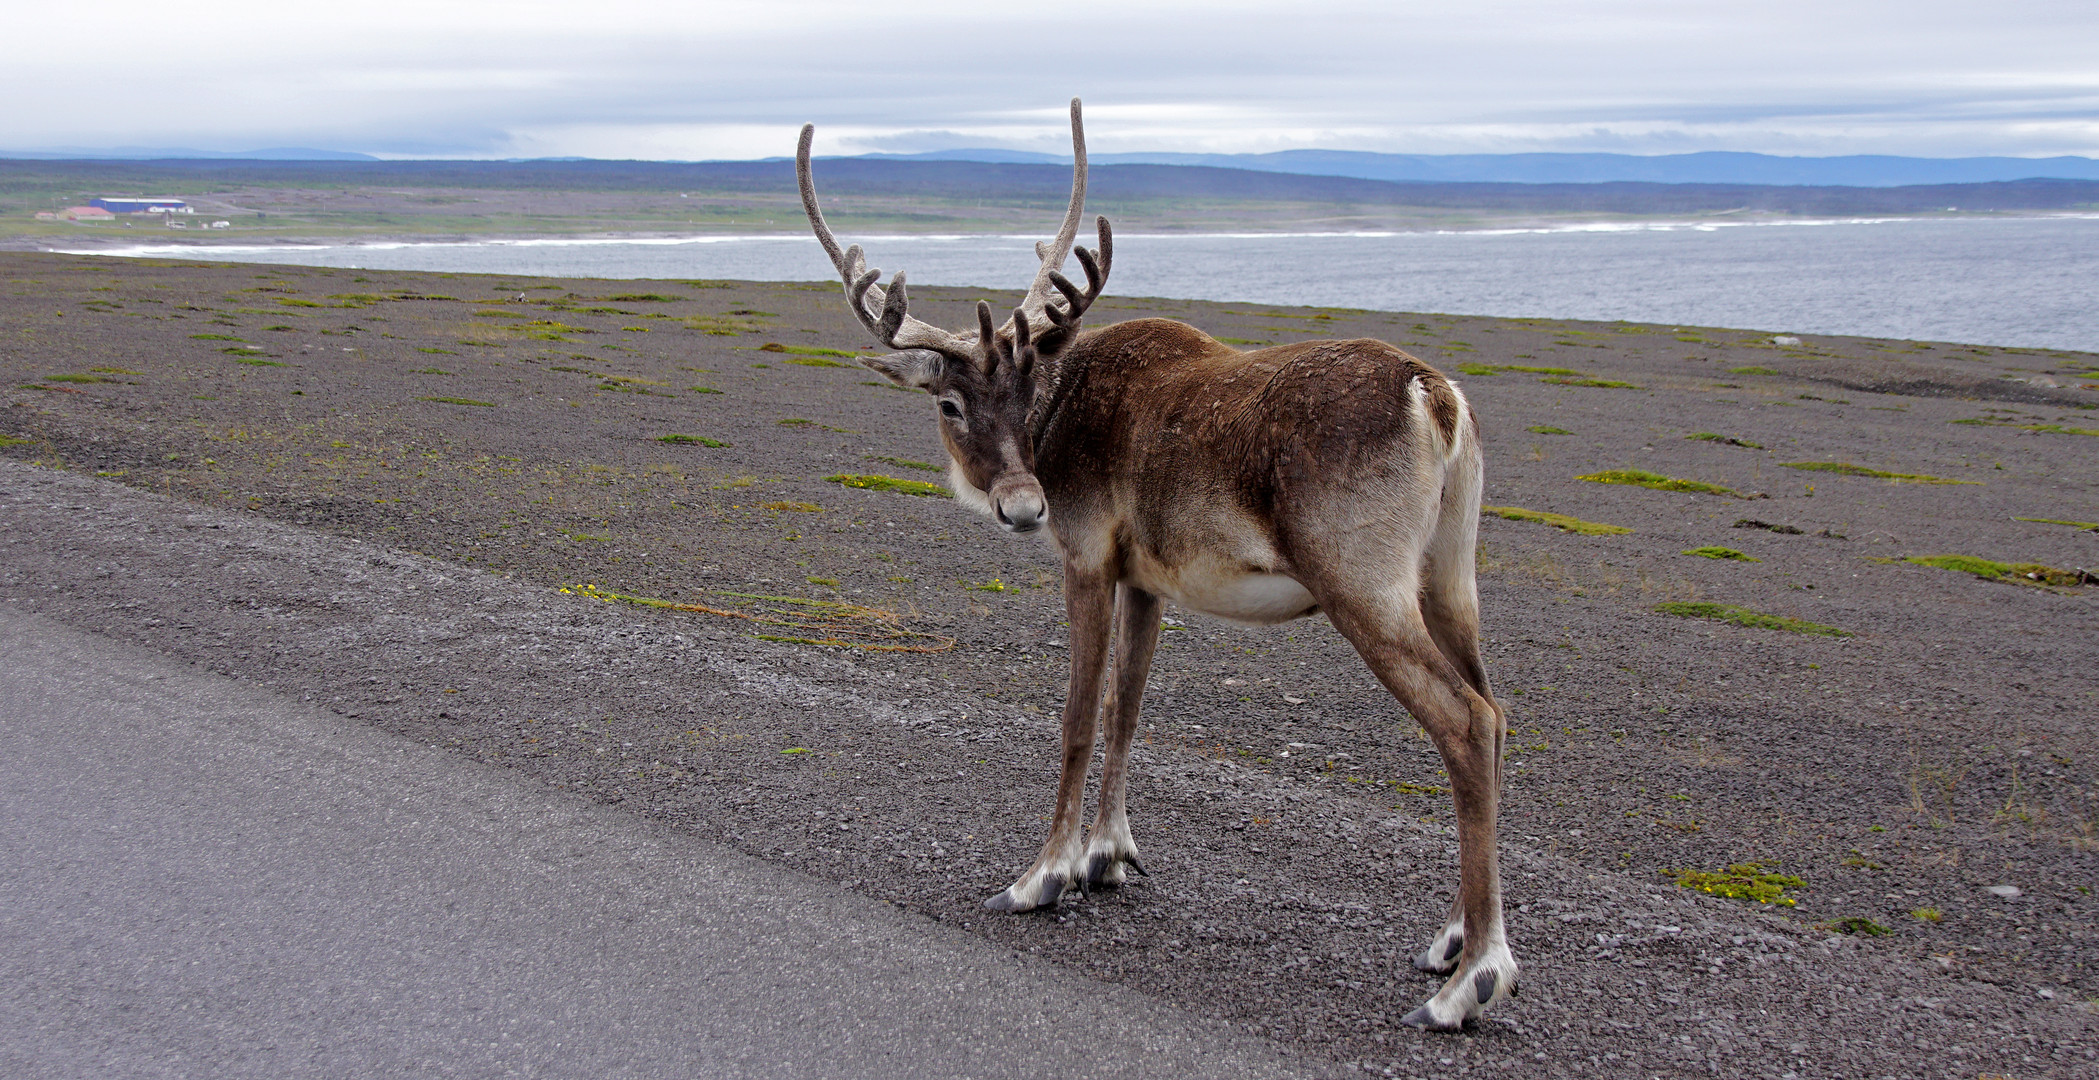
(2004,281)
(100,242)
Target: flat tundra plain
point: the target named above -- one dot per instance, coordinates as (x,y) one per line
(662,543)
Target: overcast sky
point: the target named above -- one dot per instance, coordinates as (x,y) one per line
(701,79)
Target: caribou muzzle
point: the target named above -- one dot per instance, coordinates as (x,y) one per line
(1018,503)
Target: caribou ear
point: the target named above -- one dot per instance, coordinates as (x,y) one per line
(911,369)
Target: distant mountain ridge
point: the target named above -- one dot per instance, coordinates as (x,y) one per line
(1112,186)
(1708,167)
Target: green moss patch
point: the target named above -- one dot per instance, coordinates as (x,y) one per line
(1607,384)
(1729,440)
(1750,371)
(1741,616)
(1547,429)
(2045,429)
(1557,521)
(922,466)
(810,355)
(1656,481)
(891,483)
(1861,926)
(2017,573)
(79,378)
(1711,551)
(2088,525)
(693,440)
(1845,468)
(643,298)
(216,337)
(1742,881)
(460,401)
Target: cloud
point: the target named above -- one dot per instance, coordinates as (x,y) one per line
(636,78)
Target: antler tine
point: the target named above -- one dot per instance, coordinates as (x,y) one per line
(894,327)
(1096,268)
(1052,256)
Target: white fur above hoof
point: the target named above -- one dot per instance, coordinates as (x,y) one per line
(1030,894)
(1466,995)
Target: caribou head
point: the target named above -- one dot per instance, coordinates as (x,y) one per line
(983,381)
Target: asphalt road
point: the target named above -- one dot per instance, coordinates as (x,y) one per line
(199,878)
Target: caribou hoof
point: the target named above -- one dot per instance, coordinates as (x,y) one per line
(1441,956)
(1106,871)
(1466,995)
(1425,1019)
(1020,897)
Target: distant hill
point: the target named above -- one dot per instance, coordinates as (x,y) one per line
(172,153)
(1715,167)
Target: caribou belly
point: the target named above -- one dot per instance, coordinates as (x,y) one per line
(1254,598)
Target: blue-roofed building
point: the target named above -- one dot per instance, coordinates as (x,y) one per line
(142,205)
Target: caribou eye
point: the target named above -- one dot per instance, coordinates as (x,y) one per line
(950,410)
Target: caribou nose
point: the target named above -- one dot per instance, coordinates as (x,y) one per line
(1022,511)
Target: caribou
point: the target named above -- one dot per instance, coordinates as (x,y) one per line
(1334,477)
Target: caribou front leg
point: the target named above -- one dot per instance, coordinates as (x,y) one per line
(1109,848)
(1089,599)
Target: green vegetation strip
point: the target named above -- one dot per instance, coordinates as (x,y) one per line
(2046,429)
(1741,616)
(699,440)
(460,401)
(1707,436)
(1750,371)
(1547,429)
(810,355)
(1642,478)
(1742,881)
(1608,384)
(923,466)
(803,622)
(2090,525)
(2017,573)
(1496,369)
(872,482)
(1711,551)
(1845,468)
(1557,521)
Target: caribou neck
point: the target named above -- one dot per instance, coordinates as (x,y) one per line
(1056,380)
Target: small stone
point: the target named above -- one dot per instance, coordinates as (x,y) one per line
(2046,994)
(1293,700)
(2005,892)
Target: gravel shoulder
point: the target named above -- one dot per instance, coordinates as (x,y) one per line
(205,878)
(335,524)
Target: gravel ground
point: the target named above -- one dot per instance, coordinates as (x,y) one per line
(290,505)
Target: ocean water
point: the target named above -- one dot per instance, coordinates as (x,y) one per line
(2014,281)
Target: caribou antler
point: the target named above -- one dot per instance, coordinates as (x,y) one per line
(1052,255)
(884,312)
(1096,267)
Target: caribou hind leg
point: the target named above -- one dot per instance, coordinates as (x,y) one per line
(1109,849)
(1089,600)
(1392,637)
